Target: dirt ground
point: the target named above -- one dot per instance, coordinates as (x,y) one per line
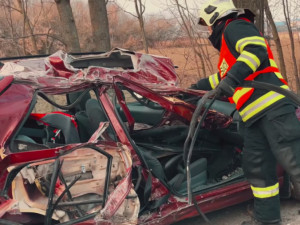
(235,215)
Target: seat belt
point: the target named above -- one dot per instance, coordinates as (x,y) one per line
(147,192)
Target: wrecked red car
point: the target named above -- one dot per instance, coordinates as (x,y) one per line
(99,139)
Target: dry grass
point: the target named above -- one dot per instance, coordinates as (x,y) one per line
(183,57)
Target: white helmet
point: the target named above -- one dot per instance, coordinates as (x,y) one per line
(213,10)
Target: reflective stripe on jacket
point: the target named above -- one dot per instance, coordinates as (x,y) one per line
(242,95)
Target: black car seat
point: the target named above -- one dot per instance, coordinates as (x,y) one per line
(22,137)
(65,124)
(173,172)
(95,114)
(79,111)
(176,173)
(72,97)
(25,143)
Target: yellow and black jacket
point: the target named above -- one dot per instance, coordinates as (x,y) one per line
(246,55)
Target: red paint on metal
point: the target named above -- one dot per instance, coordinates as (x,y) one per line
(14,102)
(117,197)
(59,68)
(124,107)
(39,116)
(177,210)
(183,109)
(5,82)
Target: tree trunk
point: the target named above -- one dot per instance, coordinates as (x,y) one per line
(100,27)
(140,9)
(276,40)
(257,7)
(288,23)
(68,25)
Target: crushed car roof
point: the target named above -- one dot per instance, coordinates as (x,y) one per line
(62,71)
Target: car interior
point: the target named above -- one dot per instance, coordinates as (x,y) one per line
(59,121)
(158,135)
(216,156)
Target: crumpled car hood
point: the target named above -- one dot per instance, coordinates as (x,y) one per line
(56,72)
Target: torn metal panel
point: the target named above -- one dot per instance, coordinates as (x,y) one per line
(30,192)
(15,102)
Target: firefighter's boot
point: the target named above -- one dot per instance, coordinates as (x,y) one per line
(290,161)
(295,189)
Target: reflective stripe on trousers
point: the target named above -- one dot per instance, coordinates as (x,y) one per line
(265,192)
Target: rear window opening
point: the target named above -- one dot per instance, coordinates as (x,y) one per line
(114,60)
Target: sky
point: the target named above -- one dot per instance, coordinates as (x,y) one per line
(153,6)
(160,7)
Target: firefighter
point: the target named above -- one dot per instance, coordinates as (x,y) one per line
(272,130)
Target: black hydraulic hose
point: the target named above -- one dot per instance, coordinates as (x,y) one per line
(191,147)
(193,133)
(200,211)
(270,87)
(201,103)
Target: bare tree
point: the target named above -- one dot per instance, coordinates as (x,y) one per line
(140,10)
(187,27)
(197,43)
(27,27)
(100,25)
(12,46)
(286,11)
(276,39)
(68,25)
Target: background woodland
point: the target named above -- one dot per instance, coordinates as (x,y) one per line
(42,27)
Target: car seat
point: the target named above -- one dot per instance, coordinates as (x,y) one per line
(176,173)
(177,178)
(24,138)
(65,124)
(72,97)
(95,114)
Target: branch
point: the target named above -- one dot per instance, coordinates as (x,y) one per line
(28,36)
(10,7)
(126,11)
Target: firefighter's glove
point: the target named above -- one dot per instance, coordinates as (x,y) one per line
(226,87)
(193,87)
(202,84)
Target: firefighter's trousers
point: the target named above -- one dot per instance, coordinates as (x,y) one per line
(273,138)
